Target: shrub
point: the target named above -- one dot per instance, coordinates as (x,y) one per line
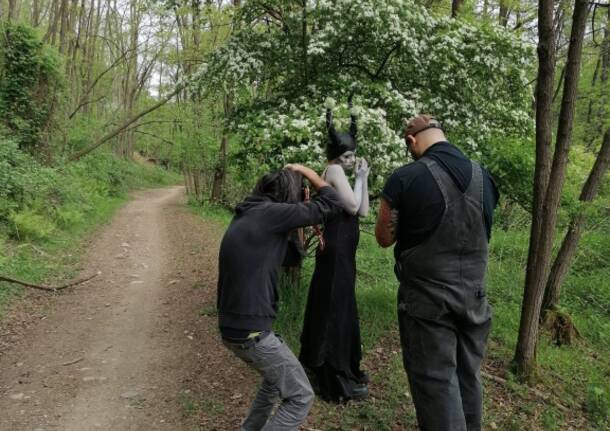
(35,200)
(23,179)
(29,80)
(30,225)
(69,215)
(598,405)
(511,162)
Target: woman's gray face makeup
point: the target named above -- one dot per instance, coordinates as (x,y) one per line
(347,160)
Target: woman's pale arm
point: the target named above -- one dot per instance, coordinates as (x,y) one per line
(316,181)
(363,211)
(350,199)
(363,171)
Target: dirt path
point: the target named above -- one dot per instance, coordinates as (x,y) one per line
(136,348)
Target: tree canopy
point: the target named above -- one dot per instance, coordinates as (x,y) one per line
(398,60)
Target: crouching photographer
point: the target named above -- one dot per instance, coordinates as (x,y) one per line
(251,254)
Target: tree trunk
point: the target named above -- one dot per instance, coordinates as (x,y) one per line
(185,174)
(12,10)
(603,81)
(592,99)
(304,44)
(35,17)
(504,13)
(52,30)
(130,80)
(570,242)
(63,28)
(456,5)
(196,5)
(92,49)
(544,134)
(196,185)
(547,201)
(75,26)
(220,171)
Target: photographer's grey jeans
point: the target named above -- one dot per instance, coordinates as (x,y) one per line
(283,380)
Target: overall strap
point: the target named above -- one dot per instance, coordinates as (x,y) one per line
(442,179)
(475,188)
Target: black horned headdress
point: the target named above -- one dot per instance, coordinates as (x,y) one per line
(338,142)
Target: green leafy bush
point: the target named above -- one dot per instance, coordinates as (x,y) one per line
(35,200)
(29,80)
(70,215)
(28,225)
(511,162)
(598,405)
(23,179)
(403,60)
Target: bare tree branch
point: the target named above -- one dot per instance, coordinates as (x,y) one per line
(125,125)
(47,288)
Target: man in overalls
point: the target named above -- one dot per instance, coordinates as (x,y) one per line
(438,210)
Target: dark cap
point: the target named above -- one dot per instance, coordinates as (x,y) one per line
(420,123)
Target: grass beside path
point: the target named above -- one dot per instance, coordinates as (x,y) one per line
(41,238)
(575,377)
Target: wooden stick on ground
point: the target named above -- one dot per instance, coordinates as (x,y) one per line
(72,362)
(48,288)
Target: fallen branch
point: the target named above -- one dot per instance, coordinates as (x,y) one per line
(47,288)
(74,361)
(536,392)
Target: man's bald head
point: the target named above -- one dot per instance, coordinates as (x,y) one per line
(421,132)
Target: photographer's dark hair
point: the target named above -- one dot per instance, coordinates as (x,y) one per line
(282,186)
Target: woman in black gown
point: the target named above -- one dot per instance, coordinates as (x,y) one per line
(330,341)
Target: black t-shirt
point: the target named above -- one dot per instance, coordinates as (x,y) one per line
(412,190)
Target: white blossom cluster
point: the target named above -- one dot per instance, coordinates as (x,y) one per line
(394,56)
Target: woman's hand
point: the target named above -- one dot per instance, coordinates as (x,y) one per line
(362,168)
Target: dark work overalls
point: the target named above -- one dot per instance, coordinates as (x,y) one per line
(443,314)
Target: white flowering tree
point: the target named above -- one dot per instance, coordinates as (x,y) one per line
(290,58)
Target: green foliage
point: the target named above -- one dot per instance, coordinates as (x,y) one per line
(195,140)
(68,215)
(210,211)
(23,180)
(28,225)
(598,405)
(398,58)
(593,103)
(43,210)
(511,162)
(570,373)
(29,80)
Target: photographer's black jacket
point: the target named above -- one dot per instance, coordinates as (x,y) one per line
(252,251)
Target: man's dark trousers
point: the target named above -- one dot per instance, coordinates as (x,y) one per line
(443,314)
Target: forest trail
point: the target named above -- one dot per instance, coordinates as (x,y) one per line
(135,348)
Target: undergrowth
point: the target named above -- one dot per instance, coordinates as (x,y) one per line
(574,376)
(45,211)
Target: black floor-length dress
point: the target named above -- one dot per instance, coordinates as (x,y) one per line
(330,342)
